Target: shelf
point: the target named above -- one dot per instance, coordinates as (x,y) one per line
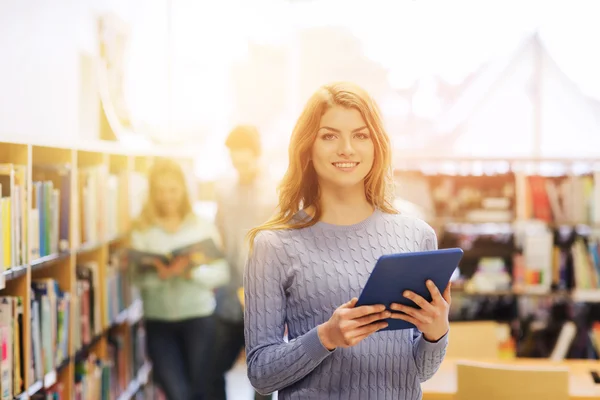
(36,387)
(22,396)
(86,247)
(136,384)
(94,186)
(104,146)
(49,379)
(576,295)
(15,272)
(586,295)
(82,352)
(43,262)
(135,313)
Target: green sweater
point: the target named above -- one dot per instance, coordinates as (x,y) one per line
(178,298)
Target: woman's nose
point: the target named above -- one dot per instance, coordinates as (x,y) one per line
(345,148)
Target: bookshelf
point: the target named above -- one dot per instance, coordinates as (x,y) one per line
(69,319)
(530,228)
(541,212)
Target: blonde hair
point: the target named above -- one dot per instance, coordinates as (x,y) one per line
(299,187)
(149,214)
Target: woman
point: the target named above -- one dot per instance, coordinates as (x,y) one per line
(309,263)
(178,298)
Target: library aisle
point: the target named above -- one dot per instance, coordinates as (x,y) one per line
(70,321)
(494,141)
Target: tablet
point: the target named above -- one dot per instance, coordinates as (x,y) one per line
(395,273)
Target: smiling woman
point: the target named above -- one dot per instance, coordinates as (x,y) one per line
(343,153)
(310,261)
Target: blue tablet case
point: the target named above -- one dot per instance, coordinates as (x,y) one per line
(395,273)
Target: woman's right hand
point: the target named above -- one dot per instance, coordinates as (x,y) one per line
(349,325)
(162,270)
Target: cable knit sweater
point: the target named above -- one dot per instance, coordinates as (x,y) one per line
(298,278)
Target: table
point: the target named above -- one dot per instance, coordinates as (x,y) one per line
(442,386)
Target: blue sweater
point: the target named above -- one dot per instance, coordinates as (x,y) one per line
(298,278)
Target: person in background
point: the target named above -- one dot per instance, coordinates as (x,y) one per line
(307,266)
(178,298)
(243,203)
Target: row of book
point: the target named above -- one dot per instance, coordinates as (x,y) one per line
(108,378)
(49,335)
(120,292)
(103,200)
(102,378)
(120,295)
(540,326)
(11,340)
(51,310)
(562,200)
(503,197)
(106,200)
(559,259)
(532,258)
(13,215)
(104,207)
(88,316)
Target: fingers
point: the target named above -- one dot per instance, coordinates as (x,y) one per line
(448,293)
(362,311)
(407,318)
(369,319)
(350,304)
(358,339)
(420,301)
(358,334)
(414,313)
(436,296)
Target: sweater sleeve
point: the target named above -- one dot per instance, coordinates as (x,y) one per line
(273,364)
(428,355)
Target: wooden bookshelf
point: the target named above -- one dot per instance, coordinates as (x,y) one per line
(87,193)
(530,229)
(469,196)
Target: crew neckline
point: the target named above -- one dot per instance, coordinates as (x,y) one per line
(342,228)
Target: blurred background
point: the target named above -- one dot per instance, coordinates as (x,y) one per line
(458,78)
(493,108)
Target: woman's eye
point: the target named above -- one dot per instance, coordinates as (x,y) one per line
(328,136)
(362,136)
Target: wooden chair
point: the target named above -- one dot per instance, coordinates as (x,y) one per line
(473,340)
(490,381)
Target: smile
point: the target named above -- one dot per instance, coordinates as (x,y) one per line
(345,166)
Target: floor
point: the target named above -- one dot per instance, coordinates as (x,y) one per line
(238,386)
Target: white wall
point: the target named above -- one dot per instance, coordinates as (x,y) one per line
(41,47)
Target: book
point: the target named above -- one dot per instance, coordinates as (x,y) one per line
(395,273)
(202,252)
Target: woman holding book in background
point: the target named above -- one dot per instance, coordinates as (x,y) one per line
(178,298)
(309,262)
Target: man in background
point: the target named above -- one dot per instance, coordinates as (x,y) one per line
(243,203)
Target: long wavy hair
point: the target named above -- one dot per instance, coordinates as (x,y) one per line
(150,213)
(299,187)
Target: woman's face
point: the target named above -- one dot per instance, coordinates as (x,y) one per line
(169,195)
(343,151)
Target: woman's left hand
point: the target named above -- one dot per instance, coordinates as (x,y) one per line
(431,318)
(179,265)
